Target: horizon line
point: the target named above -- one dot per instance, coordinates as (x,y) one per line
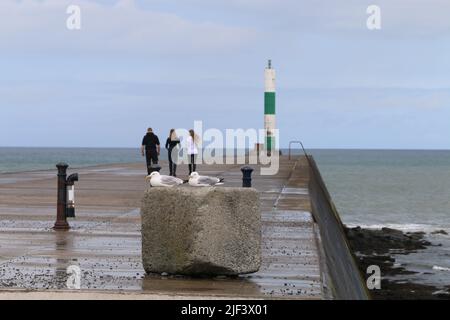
(287,147)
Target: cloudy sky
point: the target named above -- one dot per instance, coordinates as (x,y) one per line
(166,63)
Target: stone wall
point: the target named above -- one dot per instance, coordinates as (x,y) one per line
(346,282)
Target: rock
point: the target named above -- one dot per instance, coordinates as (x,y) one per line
(201,231)
(370,241)
(440,232)
(392,232)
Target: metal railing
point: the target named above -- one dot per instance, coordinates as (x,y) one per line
(296,142)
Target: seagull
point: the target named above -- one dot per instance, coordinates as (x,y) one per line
(196,180)
(158,180)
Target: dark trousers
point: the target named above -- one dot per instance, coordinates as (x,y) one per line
(172,164)
(152,158)
(192,164)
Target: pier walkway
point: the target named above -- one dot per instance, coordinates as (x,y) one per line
(105,239)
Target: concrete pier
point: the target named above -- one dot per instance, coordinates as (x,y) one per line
(105,239)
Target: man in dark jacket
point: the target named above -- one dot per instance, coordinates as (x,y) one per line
(150,148)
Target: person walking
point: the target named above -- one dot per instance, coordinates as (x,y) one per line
(171,144)
(192,150)
(150,149)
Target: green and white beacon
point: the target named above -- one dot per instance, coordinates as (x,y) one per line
(269,108)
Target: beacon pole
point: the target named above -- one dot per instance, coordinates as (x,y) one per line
(270,108)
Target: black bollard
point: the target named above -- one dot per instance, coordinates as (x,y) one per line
(61,220)
(155,167)
(247,177)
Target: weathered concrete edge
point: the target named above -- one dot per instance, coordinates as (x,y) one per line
(81,295)
(327,293)
(342,277)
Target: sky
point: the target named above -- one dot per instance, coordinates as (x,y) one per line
(166,63)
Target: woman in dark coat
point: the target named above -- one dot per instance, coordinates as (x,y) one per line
(171,143)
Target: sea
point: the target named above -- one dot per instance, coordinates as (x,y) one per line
(32,159)
(402,189)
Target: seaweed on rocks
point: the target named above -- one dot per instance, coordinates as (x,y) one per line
(376,246)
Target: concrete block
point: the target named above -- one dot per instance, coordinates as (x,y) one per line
(201,231)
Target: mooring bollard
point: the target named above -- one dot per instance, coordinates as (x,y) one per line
(155,167)
(64,207)
(247,177)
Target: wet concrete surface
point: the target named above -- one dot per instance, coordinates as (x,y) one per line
(105,240)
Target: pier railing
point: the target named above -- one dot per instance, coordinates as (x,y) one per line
(290,147)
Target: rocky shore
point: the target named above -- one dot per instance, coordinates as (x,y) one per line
(376,247)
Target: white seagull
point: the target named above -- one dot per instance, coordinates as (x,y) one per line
(158,180)
(196,180)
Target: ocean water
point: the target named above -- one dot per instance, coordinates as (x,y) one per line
(406,190)
(30,159)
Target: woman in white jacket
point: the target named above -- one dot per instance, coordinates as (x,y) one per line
(192,150)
